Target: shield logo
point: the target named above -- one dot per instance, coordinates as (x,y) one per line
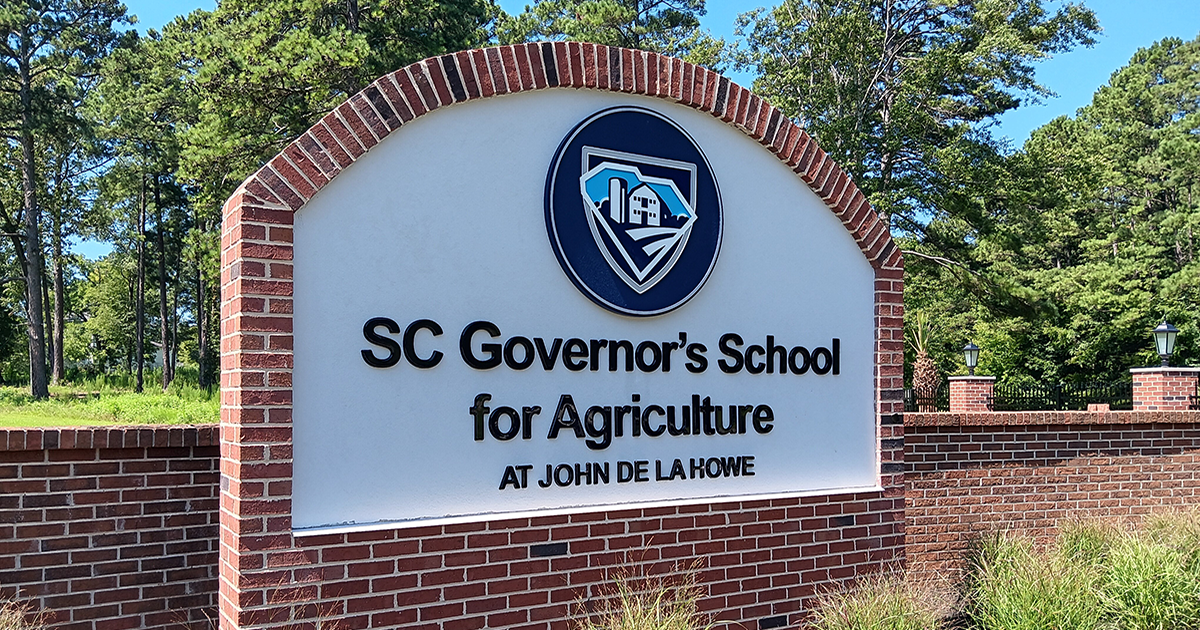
(641,210)
(633,211)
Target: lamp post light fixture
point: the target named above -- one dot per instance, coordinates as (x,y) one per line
(1164,341)
(971,354)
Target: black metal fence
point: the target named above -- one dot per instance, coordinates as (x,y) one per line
(928,399)
(1038,397)
(1062,397)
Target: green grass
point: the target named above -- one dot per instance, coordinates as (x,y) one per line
(105,404)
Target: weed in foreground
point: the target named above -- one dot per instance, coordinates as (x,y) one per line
(639,602)
(1088,543)
(17,616)
(885,601)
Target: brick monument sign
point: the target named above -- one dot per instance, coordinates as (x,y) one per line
(511,319)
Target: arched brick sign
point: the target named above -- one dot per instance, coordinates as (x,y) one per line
(285,560)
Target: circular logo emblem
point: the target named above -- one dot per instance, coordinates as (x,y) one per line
(633,211)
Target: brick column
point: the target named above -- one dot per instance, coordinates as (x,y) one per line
(971,394)
(1163,388)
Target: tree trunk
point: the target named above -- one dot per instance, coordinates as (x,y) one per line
(179,277)
(163,322)
(33,240)
(175,324)
(59,370)
(48,311)
(201,317)
(352,15)
(140,298)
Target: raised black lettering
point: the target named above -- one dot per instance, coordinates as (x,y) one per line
(603,431)
(547,357)
(479,411)
(776,351)
(729,344)
(667,348)
(763,417)
(683,428)
(802,353)
(491,350)
(510,478)
(387,343)
(697,362)
(510,354)
(514,423)
(575,349)
(527,414)
(655,356)
(819,366)
(597,345)
(751,366)
(651,431)
(620,344)
(410,349)
(565,417)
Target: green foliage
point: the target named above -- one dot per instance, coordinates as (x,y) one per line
(1081,242)
(670,27)
(263,72)
(49,52)
(105,337)
(896,90)
(1096,576)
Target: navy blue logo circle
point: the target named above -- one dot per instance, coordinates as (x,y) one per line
(633,211)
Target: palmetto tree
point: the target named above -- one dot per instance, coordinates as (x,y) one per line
(925,378)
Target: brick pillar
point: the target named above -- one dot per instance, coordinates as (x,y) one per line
(971,394)
(1163,388)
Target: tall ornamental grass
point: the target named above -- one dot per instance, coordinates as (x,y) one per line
(16,616)
(883,601)
(638,602)
(1152,581)
(1010,586)
(1095,576)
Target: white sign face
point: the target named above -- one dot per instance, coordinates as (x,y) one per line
(569,301)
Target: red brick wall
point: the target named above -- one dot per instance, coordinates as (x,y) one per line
(757,560)
(111,528)
(369,579)
(1163,389)
(1031,470)
(116,528)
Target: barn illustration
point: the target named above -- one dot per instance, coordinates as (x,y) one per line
(640,221)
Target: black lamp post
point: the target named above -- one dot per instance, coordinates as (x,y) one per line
(971,354)
(1164,341)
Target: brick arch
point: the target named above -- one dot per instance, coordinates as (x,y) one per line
(264,569)
(364,120)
